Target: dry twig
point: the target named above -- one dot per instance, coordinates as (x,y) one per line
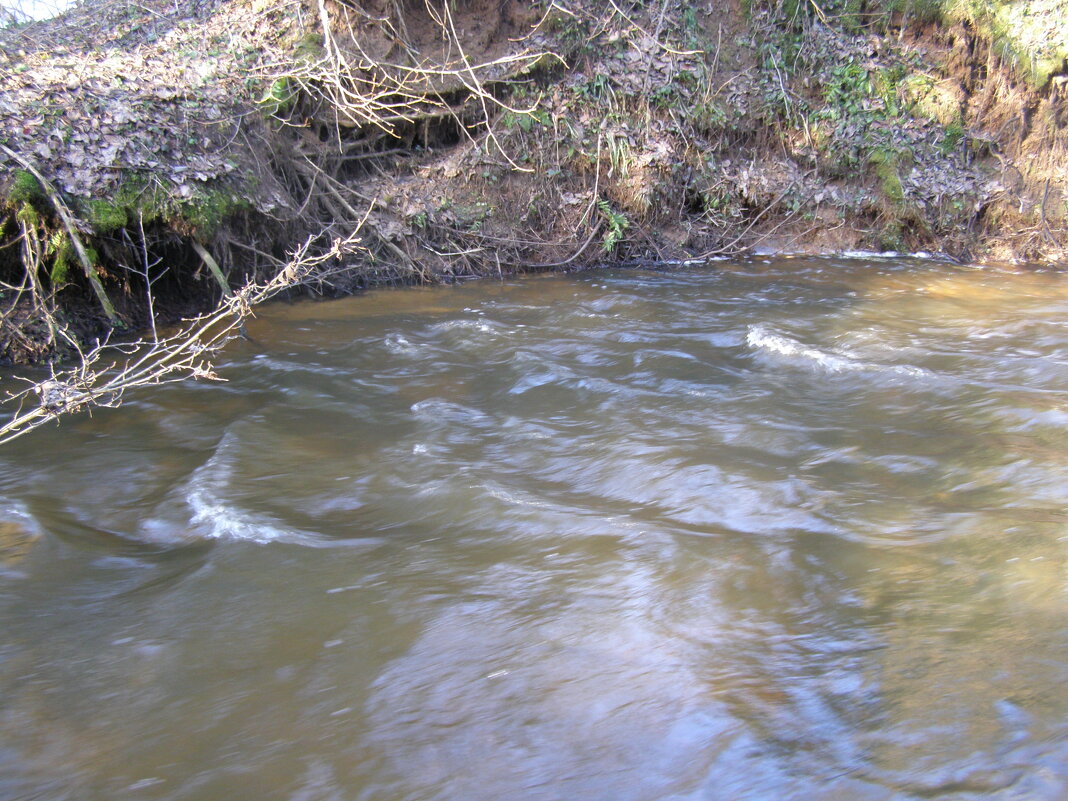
(107,372)
(76,241)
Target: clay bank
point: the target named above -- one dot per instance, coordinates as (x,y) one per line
(155,157)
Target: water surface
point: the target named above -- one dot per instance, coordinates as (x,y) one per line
(762,531)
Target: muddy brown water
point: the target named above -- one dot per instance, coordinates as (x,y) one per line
(790,530)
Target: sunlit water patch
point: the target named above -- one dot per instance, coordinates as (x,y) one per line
(762,531)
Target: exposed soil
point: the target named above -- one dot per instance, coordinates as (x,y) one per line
(493,136)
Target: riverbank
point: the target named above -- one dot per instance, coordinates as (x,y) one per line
(157,155)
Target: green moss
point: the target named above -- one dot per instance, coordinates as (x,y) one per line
(919,10)
(210,209)
(27,214)
(106,215)
(279,98)
(62,252)
(1031,34)
(309,47)
(1046,68)
(954,133)
(25,188)
(138,201)
(135,199)
(886,164)
(929,97)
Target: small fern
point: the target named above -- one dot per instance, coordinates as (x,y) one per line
(617,226)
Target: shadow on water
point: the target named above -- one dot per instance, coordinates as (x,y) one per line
(781,530)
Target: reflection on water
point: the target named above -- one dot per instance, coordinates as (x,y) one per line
(768,531)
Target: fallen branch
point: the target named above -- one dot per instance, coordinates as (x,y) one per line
(107,372)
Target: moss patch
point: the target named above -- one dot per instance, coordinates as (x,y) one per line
(886,163)
(61,251)
(25,188)
(138,200)
(106,215)
(210,209)
(932,98)
(1031,34)
(135,198)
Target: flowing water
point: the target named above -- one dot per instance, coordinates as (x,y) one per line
(790,530)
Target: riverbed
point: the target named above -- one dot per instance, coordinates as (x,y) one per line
(775,530)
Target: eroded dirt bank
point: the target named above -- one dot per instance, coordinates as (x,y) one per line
(156,153)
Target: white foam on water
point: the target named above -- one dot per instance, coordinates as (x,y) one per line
(290,366)
(439,410)
(481,326)
(199,509)
(397,344)
(16,512)
(218,518)
(222,520)
(764,339)
(870,254)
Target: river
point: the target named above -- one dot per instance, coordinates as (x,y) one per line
(765,530)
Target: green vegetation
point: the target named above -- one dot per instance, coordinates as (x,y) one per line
(25,188)
(917,10)
(887,163)
(617,226)
(209,209)
(571,32)
(106,215)
(61,251)
(139,200)
(135,198)
(309,47)
(1032,35)
(279,97)
(953,136)
(673,129)
(56,251)
(27,215)
(526,121)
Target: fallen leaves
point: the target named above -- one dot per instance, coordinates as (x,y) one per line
(151,88)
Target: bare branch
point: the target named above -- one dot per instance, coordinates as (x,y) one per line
(68,222)
(108,371)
